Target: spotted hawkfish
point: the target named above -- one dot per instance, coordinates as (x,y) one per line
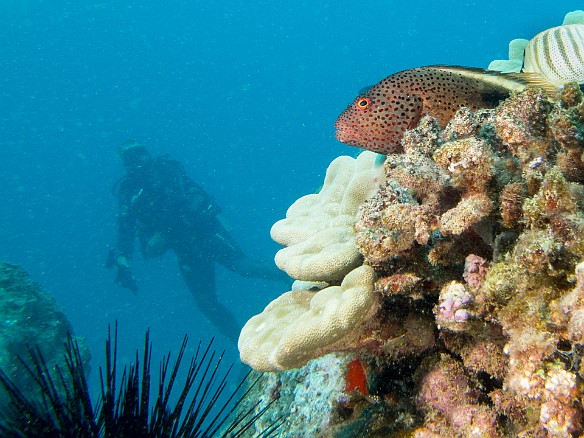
(377,119)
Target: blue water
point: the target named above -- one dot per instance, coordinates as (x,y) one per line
(243,93)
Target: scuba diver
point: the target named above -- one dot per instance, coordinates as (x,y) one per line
(165,209)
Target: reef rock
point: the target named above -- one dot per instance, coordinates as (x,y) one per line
(30,317)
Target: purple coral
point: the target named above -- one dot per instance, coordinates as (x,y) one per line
(452,309)
(445,394)
(475,271)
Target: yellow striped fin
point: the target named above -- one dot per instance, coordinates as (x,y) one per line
(508,81)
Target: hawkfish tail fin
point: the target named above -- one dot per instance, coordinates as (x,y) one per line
(537,80)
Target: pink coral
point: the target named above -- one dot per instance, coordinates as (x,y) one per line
(452,309)
(475,271)
(504,307)
(444,391)
(560,420)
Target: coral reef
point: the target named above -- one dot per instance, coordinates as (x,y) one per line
(476,317)
(30,317)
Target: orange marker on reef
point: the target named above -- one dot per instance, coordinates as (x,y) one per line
(378,118)
(356,379)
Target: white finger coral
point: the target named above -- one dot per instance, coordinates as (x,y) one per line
(318,230)
(302,325)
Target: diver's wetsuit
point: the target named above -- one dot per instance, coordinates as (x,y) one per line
(167,210)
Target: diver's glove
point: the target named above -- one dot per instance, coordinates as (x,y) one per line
(126,279)
(124,276)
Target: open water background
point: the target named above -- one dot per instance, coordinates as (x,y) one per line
(243,93)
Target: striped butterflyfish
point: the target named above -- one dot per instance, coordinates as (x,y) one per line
(557,54)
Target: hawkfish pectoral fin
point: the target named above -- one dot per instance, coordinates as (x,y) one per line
(414,108)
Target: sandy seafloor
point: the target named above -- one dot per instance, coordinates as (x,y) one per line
(244,94)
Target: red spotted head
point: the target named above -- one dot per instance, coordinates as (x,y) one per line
(378,118)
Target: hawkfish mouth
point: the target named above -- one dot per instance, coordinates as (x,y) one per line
(346,134)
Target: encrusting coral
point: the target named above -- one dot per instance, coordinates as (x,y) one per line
(476,239)
(445,392)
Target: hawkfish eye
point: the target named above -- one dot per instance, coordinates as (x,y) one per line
(363,102)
